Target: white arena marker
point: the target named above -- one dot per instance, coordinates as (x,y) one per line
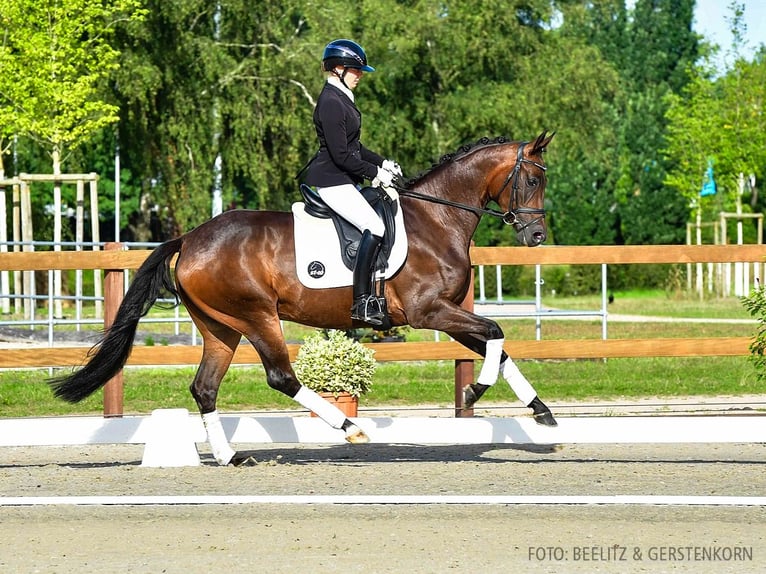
(170,435)
(170,440)
(509,500)
(395,430)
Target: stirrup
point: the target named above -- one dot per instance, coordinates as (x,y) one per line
(369,309)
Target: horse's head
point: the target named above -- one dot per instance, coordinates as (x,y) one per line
(510,173)
(519,189)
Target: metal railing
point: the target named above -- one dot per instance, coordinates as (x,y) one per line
(36,318)
(502,308)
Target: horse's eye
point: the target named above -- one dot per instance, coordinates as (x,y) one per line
(532,182)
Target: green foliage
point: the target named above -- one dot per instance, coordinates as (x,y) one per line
(610,189)
(335,364)
(656,276)
(755,303)
(579,280)
(718,119)
(54,60)
(194,81)
(660,48)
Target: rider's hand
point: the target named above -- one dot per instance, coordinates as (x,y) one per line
(392,166)
(385,178)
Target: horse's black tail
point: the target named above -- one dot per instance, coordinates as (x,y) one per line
(109,355)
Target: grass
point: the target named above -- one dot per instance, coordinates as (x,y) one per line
(24,393)
(656,303)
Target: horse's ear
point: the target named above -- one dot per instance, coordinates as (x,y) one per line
(542,142)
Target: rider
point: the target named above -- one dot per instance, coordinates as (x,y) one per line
(343,163)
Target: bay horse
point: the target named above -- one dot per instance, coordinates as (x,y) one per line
(236,276)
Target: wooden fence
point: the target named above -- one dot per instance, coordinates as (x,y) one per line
(114,261)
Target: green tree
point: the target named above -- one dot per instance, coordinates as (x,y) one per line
(450,73)
(453,72)
(718,119)
(55,57)
(583,95)
(661,47)
(613,191)
(237,83)
(693,117)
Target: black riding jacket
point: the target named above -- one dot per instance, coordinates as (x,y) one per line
(341,158)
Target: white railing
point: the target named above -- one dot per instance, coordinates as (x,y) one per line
(507,309)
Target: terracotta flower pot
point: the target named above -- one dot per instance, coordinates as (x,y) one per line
(346,402)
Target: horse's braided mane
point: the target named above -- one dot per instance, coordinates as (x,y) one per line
(459,153)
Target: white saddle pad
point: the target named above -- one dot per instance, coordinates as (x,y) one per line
(317,251)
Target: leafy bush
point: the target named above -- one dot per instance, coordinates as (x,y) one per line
(335,364)
(755,303)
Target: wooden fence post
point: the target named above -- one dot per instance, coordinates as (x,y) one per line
(113,291)
(464,369)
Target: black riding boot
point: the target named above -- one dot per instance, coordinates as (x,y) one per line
(366,306)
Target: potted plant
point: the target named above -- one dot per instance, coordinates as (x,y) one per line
(337,367)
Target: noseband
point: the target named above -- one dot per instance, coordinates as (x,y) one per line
(510,217)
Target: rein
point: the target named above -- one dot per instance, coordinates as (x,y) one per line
(510,217)
(477,210)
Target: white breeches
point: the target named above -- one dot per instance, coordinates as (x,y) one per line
(347,201)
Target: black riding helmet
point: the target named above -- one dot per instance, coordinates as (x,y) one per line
(345,53)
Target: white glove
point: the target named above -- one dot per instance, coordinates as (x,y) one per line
(392,166)
(384,178)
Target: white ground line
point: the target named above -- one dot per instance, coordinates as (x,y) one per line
(351,499)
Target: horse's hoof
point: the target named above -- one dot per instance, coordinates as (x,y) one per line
(242,460)
(355,435)
(472,393)
(545,418)
(469,397)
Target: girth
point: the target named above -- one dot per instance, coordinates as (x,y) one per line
(348,234)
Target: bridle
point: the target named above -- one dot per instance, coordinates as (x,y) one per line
(510,217)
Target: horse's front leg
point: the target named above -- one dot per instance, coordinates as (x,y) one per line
(329,413)
(497,361)
(281,377)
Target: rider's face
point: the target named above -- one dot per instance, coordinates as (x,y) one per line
(353,76)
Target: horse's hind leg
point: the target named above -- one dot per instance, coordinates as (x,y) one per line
(219,345)
(280,376)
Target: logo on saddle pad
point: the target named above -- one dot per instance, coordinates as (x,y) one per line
(316,270)
(318,260)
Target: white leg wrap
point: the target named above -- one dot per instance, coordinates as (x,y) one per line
(491,366)
(329,413)
(518,382)
(222,451)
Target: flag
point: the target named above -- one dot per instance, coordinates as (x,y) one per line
(708,182)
